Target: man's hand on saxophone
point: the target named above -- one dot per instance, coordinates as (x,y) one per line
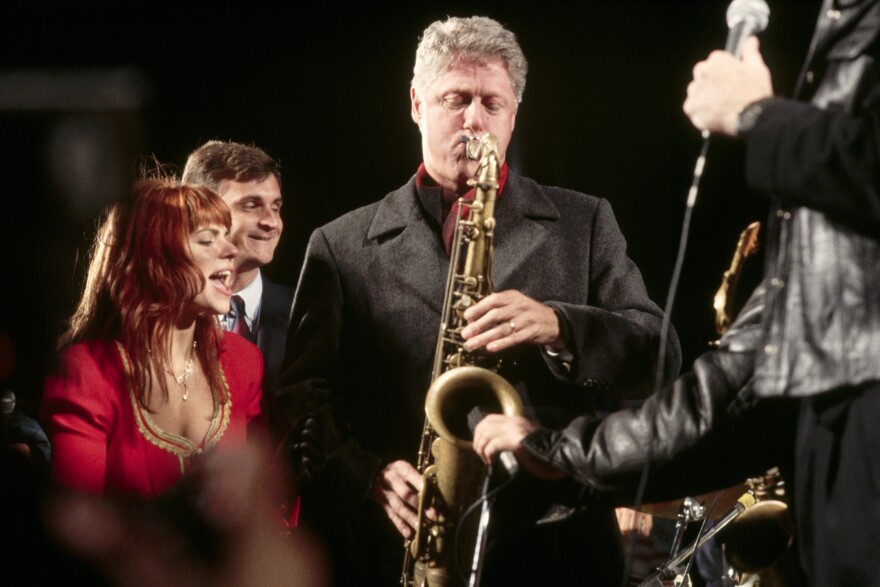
(396,489)
(507,318)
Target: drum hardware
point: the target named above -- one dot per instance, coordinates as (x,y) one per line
(669,510)
(761,535)
(755,534)
(690,510)
(668,570)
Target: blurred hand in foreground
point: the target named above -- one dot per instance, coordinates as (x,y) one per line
(219,527)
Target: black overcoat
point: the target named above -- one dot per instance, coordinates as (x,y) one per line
(364,329)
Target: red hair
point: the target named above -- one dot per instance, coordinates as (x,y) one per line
(142,279)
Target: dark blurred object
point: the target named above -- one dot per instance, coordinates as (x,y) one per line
(7,406)
(217,527)
(22,435)
(74,138)
(27,555)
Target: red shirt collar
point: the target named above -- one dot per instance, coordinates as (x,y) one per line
(423,180)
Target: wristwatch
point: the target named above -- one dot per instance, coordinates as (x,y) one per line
(748,116)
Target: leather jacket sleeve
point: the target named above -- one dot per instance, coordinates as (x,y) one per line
(702,433)
(822,159)
(822,148)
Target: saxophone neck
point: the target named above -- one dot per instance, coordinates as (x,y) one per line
(484,149)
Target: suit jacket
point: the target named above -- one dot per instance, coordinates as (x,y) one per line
(272,333)
(365,321)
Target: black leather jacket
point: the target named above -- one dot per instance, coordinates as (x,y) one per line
(709,430)
(819,158)
(813,325)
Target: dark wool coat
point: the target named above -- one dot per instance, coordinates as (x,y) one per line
(363,334)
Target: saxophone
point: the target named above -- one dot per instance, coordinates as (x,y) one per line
(452,474)
(746,246)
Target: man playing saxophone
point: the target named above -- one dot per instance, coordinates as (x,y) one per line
(570,319)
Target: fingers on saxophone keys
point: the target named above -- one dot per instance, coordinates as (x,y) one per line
(493,325)
(483,307)
(404,482)
(407,517)
(398,509)
(509,334)
(404,520)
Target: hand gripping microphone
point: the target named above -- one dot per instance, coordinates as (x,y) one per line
(505,457)
(744,19)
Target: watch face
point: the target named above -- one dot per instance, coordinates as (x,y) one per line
(748,117)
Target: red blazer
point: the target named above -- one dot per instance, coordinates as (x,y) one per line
(103,441)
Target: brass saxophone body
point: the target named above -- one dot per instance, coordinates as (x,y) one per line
(452,474)
(746,246)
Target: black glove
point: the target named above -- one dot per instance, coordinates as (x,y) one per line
(307,448)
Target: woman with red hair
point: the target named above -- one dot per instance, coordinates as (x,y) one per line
(147,379)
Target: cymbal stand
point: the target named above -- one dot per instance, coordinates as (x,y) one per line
(691,510)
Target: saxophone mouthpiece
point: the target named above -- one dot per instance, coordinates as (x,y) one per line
(471,147)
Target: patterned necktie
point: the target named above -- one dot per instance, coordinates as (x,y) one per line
(237,314)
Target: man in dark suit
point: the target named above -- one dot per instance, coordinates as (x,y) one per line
(570,320)
(250,182)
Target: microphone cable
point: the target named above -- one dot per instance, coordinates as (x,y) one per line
(664,336)
(744,18)
(484,497)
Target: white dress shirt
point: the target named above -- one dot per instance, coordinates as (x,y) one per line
(252,294)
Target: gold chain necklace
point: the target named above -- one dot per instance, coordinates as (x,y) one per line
(187,373)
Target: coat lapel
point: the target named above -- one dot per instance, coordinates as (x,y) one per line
(274,314)
(274,318)
(412,251)
(522,214)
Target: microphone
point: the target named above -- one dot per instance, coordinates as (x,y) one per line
(505,457)
(744,19)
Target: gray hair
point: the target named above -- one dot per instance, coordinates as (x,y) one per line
(478,39)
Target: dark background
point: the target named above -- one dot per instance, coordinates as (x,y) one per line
(86,95)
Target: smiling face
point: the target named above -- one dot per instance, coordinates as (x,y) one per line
(256,224)
(470,99)
(213,253)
